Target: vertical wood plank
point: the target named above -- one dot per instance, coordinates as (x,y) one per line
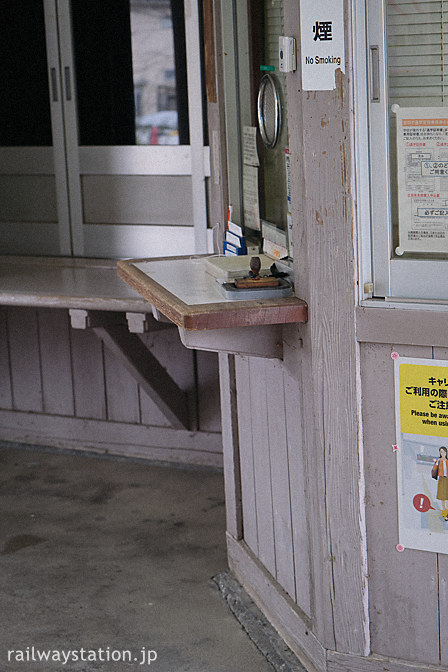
(5,372)
(280,478)
(208,392)
(25,359)
(231,448)
(245,420)
(57,380)
(299,501)
(150,414)
(88,375)
(122,391)
(258,382)
(179,363)
(402,586)
(209,50)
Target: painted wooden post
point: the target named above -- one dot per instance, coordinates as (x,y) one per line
(320,149)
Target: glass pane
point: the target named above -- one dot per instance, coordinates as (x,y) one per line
(103,66)
(266,25)
(130,72)
(417,57)
(24,95)
(159,67)
(276,202)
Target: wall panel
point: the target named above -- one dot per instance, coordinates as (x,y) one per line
(280,476)
(208,393)
(122,391)
(88,375)
(5,370)
(274,509)
(57,381)
(300,512)
(262,462)
(403,587)
(23,336)
(137,199)
(62,376)
(179,364)
(245,422)
(28,198)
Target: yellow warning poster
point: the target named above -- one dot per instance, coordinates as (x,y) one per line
(424,399)
(421,412)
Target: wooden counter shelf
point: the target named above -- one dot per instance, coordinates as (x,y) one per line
(181,290)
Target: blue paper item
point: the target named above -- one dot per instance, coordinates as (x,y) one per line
(236,241)
(233,250)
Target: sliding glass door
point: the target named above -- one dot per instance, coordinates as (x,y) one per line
(103,153)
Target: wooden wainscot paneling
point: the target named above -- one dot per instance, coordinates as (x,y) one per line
(274,498)
(256,389)
(231,447)
(280,476)
(113,438)
(245,431)
(25,359)
(293,625)
(209,415)
(300,512)
(65,387)
(338,662)
(88,375)
(5,374)
(403,587)
(54,342)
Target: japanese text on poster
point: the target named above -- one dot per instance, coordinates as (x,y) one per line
(421,399)
(422,164)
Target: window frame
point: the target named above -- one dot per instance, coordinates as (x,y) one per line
(395,280)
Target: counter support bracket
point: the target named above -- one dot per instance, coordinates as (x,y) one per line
(257,341)
(148,372)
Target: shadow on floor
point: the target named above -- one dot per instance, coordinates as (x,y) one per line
(107,563)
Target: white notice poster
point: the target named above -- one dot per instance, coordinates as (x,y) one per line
(322,43)
(422,166)
(250,154)
(250,197)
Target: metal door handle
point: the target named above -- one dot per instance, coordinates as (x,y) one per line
(68,84)
(54,85)
(374,74)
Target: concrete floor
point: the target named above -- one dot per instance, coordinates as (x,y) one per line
(103,558)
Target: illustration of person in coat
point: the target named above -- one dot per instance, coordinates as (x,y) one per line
(442,479)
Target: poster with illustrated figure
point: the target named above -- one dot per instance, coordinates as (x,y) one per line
(421,407)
